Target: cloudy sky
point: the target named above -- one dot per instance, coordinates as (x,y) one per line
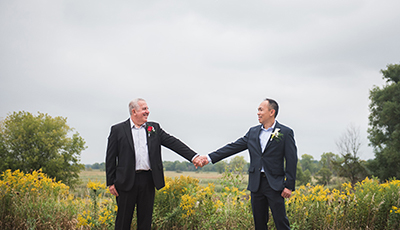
(203,66)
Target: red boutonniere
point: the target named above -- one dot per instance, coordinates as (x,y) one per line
(150,129)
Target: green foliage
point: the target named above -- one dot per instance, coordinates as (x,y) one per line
(392,73)
(29,142)
(184,204)
(384,121)
(302,178)
(167,210)
(220,166)
(324,176)
(185,166)
(34,201)
(238,163)
(233,175)
(366,205)
(100,208)
(327,160)
(178,166)
(350,166)
(101,166)
(308,162)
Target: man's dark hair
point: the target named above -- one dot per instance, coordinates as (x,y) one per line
(273,105)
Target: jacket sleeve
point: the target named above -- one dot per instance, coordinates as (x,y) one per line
(230,149)
(291,160)
(111,157)
(176,145)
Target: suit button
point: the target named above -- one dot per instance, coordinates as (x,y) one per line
(259,169)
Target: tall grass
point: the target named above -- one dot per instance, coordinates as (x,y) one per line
(367,205)
(34,201)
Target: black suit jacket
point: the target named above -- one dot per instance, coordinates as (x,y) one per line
(120,157)
(275,154)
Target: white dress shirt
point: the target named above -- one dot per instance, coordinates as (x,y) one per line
(141,150)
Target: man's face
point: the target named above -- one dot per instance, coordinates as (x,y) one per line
(264,113)
(140,115)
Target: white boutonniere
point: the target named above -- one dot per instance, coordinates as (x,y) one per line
(276,135)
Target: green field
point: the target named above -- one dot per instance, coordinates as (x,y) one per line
(203,177)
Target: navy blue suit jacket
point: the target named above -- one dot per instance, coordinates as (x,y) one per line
(279,157)
(120,158)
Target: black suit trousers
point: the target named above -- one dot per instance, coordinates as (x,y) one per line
(142,196)
(264,199)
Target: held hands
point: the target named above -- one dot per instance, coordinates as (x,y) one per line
(200,161)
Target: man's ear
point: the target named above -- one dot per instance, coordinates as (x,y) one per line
(273,112)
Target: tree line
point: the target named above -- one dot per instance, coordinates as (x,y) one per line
(32,142)
(237,163)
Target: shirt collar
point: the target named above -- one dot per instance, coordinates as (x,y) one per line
(133,124)
(270,129)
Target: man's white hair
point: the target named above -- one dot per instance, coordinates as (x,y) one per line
(134,104)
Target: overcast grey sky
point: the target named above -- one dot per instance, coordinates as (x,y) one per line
(203,66)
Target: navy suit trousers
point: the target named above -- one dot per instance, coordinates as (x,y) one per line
(264,199)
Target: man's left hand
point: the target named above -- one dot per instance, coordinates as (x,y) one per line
(286,193)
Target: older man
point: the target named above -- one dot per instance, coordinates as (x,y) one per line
(134,165)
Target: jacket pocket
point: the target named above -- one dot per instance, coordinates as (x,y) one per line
(251,169)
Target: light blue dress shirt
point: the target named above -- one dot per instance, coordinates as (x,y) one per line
(264,137)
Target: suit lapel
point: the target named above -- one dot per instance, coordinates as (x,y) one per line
(277,126)
(147,136)
(128,133)
(258,130)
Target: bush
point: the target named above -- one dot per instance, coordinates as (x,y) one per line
(34,201)
(183,204)
(367,205)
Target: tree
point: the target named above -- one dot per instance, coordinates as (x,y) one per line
(29,142)
(325,173)
(308,162)
(350,166)
(220,166)
(179,166)
(238,163)
(327,159)
(169,166)
(95,166)
(324,176)
(384,122)
(102,166)
(302,178)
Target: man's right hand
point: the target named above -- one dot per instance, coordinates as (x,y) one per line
(200,161)
(113,190)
